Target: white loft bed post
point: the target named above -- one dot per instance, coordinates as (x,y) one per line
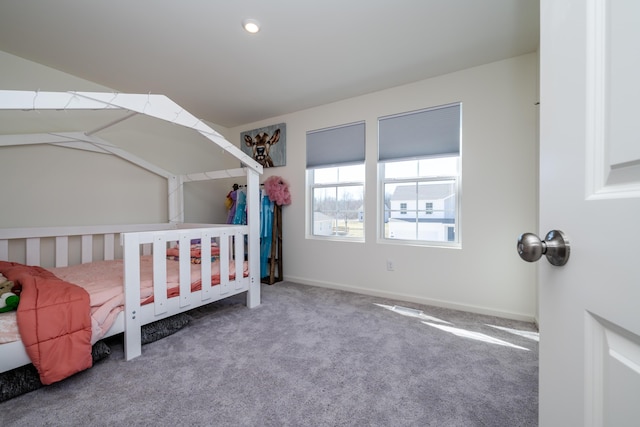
(133,331)
(253,212)
(176,198)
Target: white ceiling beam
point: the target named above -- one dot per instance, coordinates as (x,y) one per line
(113,123)
(67,140)
(158,106)
(34,139)
(205,176)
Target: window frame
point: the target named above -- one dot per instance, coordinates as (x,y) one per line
(311,186)
(384,214)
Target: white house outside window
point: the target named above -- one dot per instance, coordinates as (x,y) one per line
(335,182)
(419,173)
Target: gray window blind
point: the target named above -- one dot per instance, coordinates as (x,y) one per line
(431,132)
(335,146)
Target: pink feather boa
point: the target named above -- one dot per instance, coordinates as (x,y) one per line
(278,190)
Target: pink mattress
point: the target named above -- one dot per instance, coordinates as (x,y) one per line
(103,281)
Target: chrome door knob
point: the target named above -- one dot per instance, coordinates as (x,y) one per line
(555,247)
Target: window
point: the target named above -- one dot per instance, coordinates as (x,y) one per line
(419,174)
(335,182)
(428,208)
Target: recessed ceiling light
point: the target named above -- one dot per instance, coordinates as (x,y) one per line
(251,26)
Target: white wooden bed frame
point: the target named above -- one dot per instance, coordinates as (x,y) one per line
(137,239)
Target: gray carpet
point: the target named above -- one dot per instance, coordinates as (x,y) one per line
(25,379)
(306,357)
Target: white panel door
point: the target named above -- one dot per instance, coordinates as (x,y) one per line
(590,190)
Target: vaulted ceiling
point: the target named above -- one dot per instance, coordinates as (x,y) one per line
(307,53)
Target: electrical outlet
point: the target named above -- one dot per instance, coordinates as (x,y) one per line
(390,265)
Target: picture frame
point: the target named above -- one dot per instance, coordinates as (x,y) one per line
(266,145)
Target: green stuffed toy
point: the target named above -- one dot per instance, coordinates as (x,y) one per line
(8,299)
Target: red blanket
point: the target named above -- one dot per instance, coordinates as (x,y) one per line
(54,321)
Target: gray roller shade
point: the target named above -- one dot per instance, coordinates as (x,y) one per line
(431,132)
(334,146)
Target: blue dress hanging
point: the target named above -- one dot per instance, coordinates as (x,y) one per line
(266,229)
(240,216)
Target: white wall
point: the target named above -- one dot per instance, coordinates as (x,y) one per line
(499,175)
(499,167)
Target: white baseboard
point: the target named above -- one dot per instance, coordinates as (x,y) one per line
(412,298)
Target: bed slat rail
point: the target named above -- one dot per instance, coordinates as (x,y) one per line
(185,268)
(231,242)
(61,251)
(33,251)
(239,255)
(205,268)
(34,238)
(224,264)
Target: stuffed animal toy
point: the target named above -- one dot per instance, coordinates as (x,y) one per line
(8,299)
(5,284)
(8,302)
